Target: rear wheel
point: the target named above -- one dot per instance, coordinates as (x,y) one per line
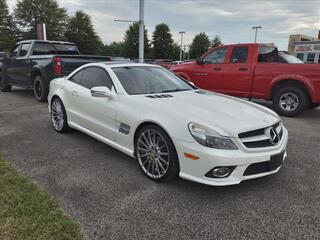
(156,154)
(40,89)
(4,86)
(290,101)
(58,116)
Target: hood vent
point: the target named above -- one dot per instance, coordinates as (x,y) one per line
(160,96)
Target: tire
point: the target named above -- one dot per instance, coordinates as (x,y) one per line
(290,101)
(40,89)
(59,118)
(158,161)
(4,86)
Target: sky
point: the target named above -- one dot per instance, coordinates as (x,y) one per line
(232,20)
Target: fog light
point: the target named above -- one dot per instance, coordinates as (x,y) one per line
(220,172)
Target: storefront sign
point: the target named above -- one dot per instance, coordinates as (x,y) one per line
(307,48)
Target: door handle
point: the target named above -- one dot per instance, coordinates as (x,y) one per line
(75,93)
(217,69)
(243,69)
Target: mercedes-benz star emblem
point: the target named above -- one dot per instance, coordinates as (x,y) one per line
(273,135)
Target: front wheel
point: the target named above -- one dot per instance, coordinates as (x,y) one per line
(4,86)
(290,101)
(58,116)
(40,89)
(156,154)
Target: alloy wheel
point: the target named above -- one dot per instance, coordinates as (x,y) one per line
(289,101)
(57,115)
(153,153)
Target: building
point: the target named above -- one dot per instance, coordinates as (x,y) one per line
(305,47)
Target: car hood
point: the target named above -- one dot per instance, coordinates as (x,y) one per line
(227,115)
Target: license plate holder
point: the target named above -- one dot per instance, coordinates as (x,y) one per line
(276,161)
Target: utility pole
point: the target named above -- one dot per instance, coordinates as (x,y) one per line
(181,33)
(141,29)
(256,32)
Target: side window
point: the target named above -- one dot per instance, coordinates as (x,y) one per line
(268,54)
(77,77)
(43,49)
(216,56)
(14,52)
(96,77)
(239,54)
(24,49)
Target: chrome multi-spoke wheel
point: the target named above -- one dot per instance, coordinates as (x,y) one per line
(58,116)
(289,101)
(156,154)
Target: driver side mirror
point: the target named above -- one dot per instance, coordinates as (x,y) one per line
(199,60)
(101,92)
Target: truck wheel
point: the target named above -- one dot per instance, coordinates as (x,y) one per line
(40,89)
(4,86)
(290,101)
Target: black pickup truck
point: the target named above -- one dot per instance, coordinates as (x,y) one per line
(34,63)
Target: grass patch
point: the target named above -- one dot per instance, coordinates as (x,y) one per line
(28,212)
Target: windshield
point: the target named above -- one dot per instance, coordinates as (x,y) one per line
(289,58)
(145,80)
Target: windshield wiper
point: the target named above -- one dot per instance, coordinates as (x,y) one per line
(176,90)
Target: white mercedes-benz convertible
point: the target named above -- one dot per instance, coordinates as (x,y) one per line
(171,127)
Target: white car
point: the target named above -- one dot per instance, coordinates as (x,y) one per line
(171,127)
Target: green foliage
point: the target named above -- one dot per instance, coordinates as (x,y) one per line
(30,12)
(7,28)
(175,52)
(216,41)
(80,31)
(162,42)
(27,212)
(200,44)
(114,49)
(131,42)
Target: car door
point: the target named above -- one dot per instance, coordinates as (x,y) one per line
(96,114)
(11,64)
(209,74)
(23,66)
(237,73)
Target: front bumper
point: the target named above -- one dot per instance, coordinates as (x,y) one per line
(209,158)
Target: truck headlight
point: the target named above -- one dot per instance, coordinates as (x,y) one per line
(209,138)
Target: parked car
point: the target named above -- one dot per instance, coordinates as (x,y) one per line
(34,63)
(255,71)
(166,63)
(285,57)
(171,127)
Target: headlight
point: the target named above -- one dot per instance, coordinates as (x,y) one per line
(209,138)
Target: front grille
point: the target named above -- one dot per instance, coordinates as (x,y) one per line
(259,138)
(262,167)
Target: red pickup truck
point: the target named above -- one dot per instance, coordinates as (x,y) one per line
(256,71)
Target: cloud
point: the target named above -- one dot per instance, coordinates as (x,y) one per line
(231,19)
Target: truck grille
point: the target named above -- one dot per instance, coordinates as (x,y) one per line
(263,137)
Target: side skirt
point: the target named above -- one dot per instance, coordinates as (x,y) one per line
(102,139)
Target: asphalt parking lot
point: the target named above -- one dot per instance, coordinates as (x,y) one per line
(105,190)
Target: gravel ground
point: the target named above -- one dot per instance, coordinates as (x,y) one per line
(105,190)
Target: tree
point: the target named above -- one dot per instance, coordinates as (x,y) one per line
(162,42)
(175,51)
(28,13)
(7,28)
(200,44)
(131,42)
(80,31)
(216,41)
(114,49)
